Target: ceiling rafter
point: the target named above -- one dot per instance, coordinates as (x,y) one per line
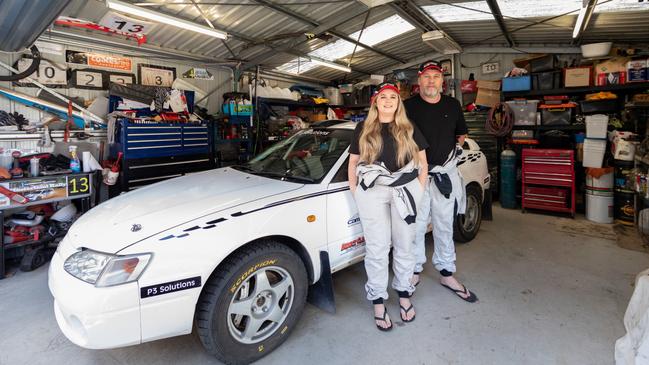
(497,14)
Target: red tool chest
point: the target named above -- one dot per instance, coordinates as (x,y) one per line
(548,180)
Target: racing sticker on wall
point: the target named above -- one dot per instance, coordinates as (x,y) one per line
(170,287)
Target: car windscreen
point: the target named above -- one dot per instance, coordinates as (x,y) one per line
(306,156)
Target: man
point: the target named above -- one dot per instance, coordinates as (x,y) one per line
(441,121)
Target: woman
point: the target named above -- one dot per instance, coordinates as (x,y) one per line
(387,173)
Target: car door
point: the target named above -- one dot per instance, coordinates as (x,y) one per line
(344,230)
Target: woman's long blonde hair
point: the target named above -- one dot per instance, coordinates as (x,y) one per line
(370,142)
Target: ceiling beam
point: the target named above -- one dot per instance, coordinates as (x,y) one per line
(313,23)
(339,18)
(498,15)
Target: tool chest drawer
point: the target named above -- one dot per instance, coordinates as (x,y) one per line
(548,177)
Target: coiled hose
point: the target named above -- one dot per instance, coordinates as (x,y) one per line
(36,61)
(500,120)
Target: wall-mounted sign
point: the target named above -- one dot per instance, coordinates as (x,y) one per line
(124,79)
(88,79)
(446,67)
(99,60)
(490,68)
(198,73)
(124,23)
(152,75)
(48,74)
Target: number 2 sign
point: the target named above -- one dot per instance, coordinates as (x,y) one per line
(125,24)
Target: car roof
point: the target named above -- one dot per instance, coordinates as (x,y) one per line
(335,124)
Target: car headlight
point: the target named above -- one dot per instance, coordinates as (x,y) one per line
(103,269)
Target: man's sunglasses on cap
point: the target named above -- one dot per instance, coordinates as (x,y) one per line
(429,65)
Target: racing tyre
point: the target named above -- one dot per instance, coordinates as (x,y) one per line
(251,304)
(467,225)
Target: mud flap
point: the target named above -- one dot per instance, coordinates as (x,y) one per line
(321,294)
(486,206)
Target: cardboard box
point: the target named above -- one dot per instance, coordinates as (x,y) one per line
(578,76)
(637,70)
(488,93)
(610,71)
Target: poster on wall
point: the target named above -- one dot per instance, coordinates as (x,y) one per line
(46,188)
(198,74)
(152,75)
(125,24)
(99,60)
(48,73)
(446,67)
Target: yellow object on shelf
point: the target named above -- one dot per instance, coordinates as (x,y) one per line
(602,95)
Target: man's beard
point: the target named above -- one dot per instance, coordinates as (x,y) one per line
(430,92)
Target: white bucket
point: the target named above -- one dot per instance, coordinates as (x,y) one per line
(599,209)
(594,152)
(603,183)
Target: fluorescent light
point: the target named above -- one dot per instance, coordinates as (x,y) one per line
(164,18)
(580,21)
(441,42)
(334,65)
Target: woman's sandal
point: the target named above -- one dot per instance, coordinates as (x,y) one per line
(405,294)
(383,318)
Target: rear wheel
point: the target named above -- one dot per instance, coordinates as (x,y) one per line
(249,307)
(467,225)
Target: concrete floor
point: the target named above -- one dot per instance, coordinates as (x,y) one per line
(546,297)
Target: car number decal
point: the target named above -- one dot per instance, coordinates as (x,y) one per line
(170,287)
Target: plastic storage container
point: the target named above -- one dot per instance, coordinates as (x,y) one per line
(546,80)
(594,150)
(524,111)
(599,106)
(596,126)
(520,83)
(560,114)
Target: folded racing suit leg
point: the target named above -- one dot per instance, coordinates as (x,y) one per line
(423,219)
(374,211)
(445,207)
(403,234)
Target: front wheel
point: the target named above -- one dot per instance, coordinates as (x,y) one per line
(251,304)
(467,225)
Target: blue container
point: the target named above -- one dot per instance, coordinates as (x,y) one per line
(520,83)
(508,179)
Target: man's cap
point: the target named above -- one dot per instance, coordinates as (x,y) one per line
(430,65)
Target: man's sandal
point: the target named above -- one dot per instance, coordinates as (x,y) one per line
(383,318)
(471,297)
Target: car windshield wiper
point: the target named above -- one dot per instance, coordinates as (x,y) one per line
(285,175)
(245,168)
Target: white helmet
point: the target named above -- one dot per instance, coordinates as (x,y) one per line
(65,214)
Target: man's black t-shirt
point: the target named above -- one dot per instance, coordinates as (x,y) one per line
(440,123)
(388,154)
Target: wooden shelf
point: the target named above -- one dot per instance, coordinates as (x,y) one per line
(632,86)
(572,127)
(286,102)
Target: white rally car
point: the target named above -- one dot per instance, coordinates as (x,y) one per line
(234,251)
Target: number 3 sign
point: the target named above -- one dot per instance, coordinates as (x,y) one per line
(152,75)
(125,24)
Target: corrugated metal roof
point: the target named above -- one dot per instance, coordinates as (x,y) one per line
(263,23)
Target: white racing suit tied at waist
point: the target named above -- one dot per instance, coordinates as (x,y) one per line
(443,199)
(374,174)
(387,206)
